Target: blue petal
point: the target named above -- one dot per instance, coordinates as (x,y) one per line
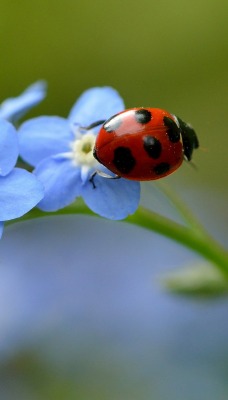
(61,180)
(20,192)
(14,108)
(43,137)
(112,198)
(1,228)
(8,147)
(96,104)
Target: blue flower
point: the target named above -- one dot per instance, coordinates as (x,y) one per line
(61,152)
(14,108)
(19,189)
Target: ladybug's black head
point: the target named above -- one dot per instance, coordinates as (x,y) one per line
(190,140)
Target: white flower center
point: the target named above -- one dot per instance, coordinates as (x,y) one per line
(82,150)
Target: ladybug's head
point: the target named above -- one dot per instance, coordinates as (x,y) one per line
(190,140)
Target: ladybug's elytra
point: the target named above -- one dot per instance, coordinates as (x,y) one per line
(144,143)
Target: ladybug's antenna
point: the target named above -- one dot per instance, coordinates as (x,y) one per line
(93,125)
(204,149)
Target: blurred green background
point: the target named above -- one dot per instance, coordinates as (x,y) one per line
(167,54)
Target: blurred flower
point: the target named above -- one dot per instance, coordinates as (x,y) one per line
(61,152)
(14,108)
(83,311)
(20,190)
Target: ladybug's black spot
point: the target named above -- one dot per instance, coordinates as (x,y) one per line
(124,160)
(113,123)
(173,130)
(152,146)
(161,168)
(143,116)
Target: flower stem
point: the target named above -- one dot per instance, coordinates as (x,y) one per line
(197,240)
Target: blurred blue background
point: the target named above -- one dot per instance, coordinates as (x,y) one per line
(84,316)
(168,54)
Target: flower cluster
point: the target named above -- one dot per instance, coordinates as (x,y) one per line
(61,152)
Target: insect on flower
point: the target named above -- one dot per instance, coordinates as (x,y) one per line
(143,144)
(61,151)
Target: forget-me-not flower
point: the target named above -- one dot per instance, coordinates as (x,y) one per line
(14,108)
(20,190)
(62,153)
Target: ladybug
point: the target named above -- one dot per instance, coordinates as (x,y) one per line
(144,143)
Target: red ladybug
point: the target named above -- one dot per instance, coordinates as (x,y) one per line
(144,143)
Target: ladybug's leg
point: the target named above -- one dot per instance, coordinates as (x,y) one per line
(104,175)
(193,165)
(93,125)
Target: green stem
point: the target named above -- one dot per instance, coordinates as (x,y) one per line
(204,245)
(198,241)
